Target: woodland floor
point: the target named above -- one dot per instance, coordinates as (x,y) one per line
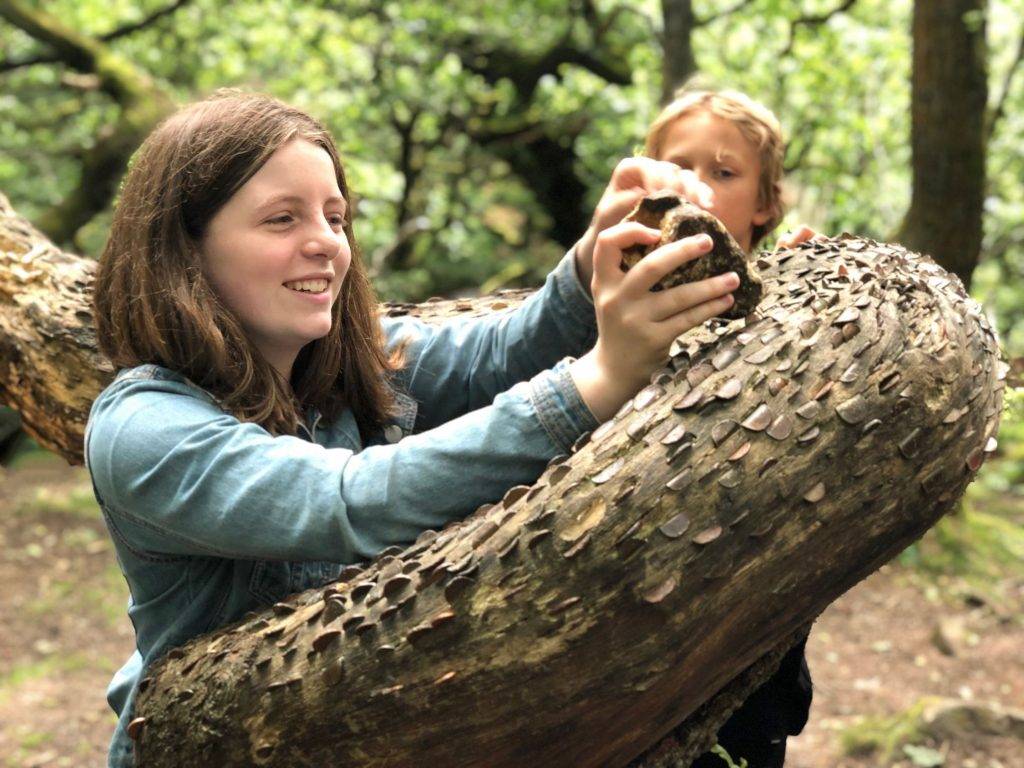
(63,632)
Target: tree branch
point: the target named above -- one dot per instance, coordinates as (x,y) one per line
(703,22)
(1000,109)
(43,58)
(153,17)
(503,63)
(813,21)
(142,101)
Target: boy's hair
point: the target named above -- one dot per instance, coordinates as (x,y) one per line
(758,125)
(154,303)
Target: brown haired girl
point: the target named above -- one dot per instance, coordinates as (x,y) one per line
(267,426)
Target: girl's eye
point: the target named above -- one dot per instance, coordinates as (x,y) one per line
(284,218)
(336,219)
(725,173)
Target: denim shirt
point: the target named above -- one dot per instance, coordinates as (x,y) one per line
(212,518)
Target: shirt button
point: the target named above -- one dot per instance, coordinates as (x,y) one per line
(392,433)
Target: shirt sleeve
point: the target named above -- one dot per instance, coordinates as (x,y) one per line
(461,365)
(194,480)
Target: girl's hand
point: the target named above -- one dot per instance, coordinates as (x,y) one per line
(801,235)
(633,179)
(635,326)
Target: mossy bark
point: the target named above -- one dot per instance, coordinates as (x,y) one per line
(774,462)
(142,101)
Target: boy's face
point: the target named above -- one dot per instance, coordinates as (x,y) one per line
(714,149)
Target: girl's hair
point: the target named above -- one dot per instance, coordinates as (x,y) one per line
(758,125)
(154,304)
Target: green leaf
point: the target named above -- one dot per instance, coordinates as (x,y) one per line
(924,757)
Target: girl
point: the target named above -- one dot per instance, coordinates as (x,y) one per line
(266,426)
(735,146)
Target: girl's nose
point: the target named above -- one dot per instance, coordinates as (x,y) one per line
(325,241)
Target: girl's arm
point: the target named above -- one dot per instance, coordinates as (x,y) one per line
(176,475)
(463,364)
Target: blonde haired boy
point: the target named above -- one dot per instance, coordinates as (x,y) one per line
(735,146)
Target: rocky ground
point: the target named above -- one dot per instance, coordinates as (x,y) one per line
(882,651)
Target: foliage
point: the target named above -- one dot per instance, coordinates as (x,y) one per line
(434,112)
(883,736)
(721,751)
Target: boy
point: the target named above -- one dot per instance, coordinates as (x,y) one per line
(735,146)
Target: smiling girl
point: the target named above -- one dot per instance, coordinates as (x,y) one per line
(267,426)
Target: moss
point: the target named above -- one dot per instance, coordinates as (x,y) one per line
(884,736)
(34,670)
(78,502)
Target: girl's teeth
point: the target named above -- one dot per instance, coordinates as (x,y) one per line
(310,286)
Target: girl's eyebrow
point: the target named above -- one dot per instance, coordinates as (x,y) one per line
(297,200)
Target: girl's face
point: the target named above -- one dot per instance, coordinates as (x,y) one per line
(720,155)
(276,252)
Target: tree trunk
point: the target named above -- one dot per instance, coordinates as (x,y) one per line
(50,370)
(143,103)
(949,94)
(677,63)
(580,620)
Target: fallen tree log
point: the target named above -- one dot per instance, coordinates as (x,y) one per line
(773,463)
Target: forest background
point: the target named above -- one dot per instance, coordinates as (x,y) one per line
(478,137)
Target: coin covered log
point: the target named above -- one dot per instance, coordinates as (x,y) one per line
(578,621)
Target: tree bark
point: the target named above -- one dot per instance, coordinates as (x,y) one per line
(949,94)
(50,370)
(580,620)
(677,63)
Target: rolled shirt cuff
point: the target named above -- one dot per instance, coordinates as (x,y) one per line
(560,408)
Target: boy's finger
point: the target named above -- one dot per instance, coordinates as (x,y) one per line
(695,190)
(610,244)
(669,176)
(661,261)
(669,303)
(694,316)
(617,205)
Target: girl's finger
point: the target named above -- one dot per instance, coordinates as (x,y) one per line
(661,261)
(667,304)
(610,244)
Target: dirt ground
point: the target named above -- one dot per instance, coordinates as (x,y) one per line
(63,632)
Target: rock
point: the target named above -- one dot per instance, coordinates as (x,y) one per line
(949,633)
(678,218)
(953,720)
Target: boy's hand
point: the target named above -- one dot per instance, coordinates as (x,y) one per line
(801,235)
(632,179)
(635,326)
